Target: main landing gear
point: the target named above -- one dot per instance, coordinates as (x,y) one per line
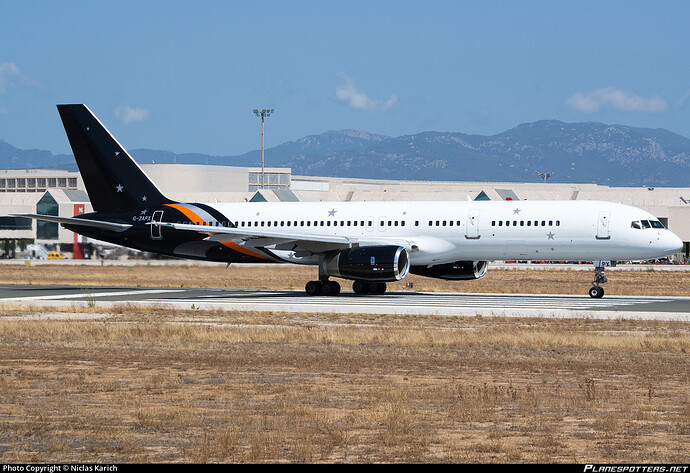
(332,288)
(325,287)
(596,291)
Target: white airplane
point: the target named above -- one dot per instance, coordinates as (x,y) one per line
(371,243)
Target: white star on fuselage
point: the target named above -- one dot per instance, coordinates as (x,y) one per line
(119,187)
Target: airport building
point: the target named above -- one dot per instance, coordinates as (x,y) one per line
(55,192)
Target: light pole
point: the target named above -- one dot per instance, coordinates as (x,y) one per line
(263,113)
(544,175)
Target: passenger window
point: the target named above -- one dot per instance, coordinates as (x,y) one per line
(416,223)
(550,223)
(493,223)
(558,223)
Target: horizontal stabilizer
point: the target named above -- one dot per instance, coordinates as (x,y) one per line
(111,226)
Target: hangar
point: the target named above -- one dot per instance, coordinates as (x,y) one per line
(57,192)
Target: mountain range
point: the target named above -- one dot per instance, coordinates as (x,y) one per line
(589,152)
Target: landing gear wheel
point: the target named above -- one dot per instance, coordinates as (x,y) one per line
(596,292)
(378,287)
(313,288)
(330,288)
(360,287)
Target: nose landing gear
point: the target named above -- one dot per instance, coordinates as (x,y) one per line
(596,291)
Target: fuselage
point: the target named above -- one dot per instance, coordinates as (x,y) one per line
(433,232)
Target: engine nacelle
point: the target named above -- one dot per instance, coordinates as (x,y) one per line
(457,271)
(369,263)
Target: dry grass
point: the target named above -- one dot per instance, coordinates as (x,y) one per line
(642,282)
(163,385)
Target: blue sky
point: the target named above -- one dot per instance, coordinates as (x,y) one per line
(184,76)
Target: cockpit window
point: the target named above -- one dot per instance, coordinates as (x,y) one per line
(643,224)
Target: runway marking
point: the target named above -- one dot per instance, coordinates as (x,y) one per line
(458,300)
(415,302)
(88,294)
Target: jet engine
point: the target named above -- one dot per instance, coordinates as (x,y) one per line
(369,263)
(457,271)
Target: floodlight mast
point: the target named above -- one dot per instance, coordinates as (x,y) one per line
(544,175)
(263,113)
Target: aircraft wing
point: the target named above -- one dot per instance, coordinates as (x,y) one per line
(301,243)
(84,222)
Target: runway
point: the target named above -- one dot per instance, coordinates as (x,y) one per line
(397,303)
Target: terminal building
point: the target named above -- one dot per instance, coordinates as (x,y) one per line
(57,192)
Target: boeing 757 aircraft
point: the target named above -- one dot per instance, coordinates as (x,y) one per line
(370,243)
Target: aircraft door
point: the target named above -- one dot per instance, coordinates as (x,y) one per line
(156,229)
(370,224)
(603,221)
(381,223)
(472,227)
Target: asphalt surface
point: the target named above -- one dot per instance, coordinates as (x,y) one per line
(401,302)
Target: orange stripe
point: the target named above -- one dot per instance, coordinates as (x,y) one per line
(234,246)
(188,213)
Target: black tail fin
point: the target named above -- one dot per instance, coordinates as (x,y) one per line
(113,180)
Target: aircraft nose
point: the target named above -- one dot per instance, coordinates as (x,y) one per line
(674,242)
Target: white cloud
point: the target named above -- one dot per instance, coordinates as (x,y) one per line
(683,99)
(130,114)
(356,99)
(10,76)
(611,98)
